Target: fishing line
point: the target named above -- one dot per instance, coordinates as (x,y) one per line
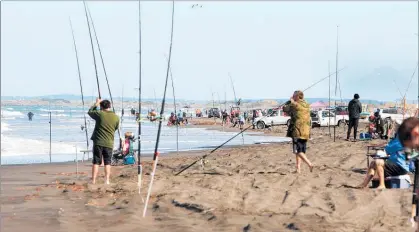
(156,154)
(411,79)
(139,165)
(81,86)
(93,50)
(215,149)
(174,104)
(104,69)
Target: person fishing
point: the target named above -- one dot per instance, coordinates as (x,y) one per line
(355,109)
(30,116)
(299,128)
(254,116)
(107,122)
(397,163)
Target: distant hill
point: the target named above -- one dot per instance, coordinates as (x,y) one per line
(70,97)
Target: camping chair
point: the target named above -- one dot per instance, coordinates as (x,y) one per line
(118,158)
(372,152)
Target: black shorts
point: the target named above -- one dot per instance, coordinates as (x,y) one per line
(100,152)
(299,145)
(392,169)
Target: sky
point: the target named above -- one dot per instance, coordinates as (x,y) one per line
(269,48)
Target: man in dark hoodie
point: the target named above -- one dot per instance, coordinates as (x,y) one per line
(355,109)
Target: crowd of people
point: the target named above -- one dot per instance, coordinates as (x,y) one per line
(395,164)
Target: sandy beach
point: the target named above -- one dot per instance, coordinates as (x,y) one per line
(248,188)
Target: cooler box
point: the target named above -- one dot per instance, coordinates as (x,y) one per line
(365,136)
(392,182)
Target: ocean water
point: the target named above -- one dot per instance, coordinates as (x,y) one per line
(24,141)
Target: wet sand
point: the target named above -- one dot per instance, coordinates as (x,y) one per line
(250,188)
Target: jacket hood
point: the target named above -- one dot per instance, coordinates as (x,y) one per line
(394,146)
(304,103)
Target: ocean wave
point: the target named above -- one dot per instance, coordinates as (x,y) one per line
(54,115)
(11,146)
(8,113)
(4,127)
(46,110)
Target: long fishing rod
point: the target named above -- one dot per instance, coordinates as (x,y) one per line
(174,103)
(410,82)
(330,133)
(139,165)
(336,84)
(86,8)
(234,91)
(156,154)
(93,50)
(245,129)
(81,86)
(235,99)
(122,106)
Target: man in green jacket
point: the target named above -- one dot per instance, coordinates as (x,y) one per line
(107,122)
(299,128)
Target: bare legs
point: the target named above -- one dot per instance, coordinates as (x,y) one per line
(95,170)
(301,156)
(376,167)
(107,173)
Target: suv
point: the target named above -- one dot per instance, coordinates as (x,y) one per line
(276,118)
(214,112)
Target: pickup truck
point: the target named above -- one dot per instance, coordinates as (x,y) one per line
(214,113)
(321,118)
(277,118)
(393,114)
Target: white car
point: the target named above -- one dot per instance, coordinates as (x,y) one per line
(393,115)
(277,118)
(323,118)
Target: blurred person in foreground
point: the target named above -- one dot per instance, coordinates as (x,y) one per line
(299,128)
(397,164)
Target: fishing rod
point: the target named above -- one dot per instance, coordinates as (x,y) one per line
(237,103)
(330,133)
(122,105)
(93,50)
(156,154)
(86,8)
(139,165)
(407,89)
(174,104)
(234,91)
(81,86)
(336,84)
(245,129)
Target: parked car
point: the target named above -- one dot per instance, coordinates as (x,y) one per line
(393,114)
(324,117)
(278,117)
(214,112)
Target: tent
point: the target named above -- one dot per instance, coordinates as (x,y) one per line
(318,105)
